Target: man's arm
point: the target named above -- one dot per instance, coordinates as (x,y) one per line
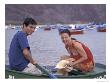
(28,56)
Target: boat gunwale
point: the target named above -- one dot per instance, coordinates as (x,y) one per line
(59,76)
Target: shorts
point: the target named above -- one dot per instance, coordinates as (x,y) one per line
(32,69)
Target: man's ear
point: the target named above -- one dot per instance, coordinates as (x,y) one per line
(24,25)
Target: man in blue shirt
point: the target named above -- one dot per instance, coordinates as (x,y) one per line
(20,57)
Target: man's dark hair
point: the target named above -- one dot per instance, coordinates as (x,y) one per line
(28,21)
(65,31)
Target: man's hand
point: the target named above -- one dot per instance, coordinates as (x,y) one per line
(34,62)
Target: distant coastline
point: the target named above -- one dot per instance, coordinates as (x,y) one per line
(55,13)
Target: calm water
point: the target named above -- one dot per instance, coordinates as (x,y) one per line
(47,47)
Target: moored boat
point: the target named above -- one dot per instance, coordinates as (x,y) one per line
(75,32)
(47,29)
(101,28)
(99,71)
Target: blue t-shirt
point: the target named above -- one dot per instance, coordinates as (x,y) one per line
(17,60)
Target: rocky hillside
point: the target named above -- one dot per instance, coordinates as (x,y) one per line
(55,13)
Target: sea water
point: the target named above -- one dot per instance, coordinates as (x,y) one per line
(47,47)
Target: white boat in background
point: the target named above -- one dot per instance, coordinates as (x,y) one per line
(72,26)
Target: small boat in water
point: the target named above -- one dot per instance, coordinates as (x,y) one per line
(101,28)
(47,29)
(75,32)
(98,72)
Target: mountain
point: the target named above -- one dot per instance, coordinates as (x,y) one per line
(55,13)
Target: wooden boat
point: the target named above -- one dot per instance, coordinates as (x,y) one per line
(75,32)
(98,72)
